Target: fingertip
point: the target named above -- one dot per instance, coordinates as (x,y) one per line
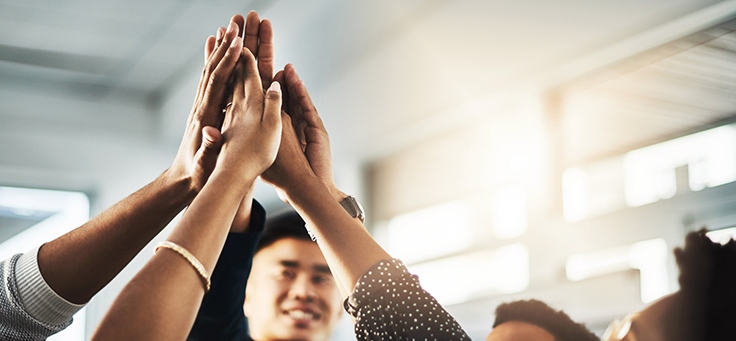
(248,55)
(209,46)
(236,43)
(211,136)
(275,87)
(266,24)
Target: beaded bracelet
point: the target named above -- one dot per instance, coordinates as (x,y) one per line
(190,258)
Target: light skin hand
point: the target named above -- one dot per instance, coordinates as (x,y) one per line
(253,117)
(258,38)
(162,300)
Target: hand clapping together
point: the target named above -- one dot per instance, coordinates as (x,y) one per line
(286,144)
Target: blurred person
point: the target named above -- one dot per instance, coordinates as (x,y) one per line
(162,300)
(703,309)
(45,287)
(535,320)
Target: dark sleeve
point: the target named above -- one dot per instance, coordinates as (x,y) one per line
(221,316)
(389,304)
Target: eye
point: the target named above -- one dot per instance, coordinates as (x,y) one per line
(287,274)
(322,280)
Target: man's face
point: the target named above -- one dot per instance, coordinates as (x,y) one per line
(519,331)
(291,294)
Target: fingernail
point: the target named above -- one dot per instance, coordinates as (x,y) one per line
(219,33)
(235,42)
(231,27)
(275,87)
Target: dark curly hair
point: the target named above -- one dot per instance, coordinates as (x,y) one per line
(708,280)
(540,314)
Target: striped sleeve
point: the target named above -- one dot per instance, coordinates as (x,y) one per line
(37,297)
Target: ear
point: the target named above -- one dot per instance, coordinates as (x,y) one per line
(247,305)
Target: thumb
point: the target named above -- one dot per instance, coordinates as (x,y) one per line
(206,156)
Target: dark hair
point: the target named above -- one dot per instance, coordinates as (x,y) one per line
(286,224)
(540,314)
(708,277)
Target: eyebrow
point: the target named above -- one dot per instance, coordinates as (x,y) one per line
(323,269)
(295,264)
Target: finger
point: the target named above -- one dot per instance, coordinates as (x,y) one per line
(219,35)
(211,61)
(218,81)
(265,52)
(238,94)
(279,77)
(272,104)
(240,21)
(223,44)
(251,81)
(250,38)
(291,78)
(309,111)
(209,46)
(206,156)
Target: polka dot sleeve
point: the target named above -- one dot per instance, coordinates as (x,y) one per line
(389,304)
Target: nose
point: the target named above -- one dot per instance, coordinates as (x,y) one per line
(302,289)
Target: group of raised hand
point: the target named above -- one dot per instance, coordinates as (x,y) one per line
(246,122)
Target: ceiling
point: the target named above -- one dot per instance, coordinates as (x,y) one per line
(679,88)
(83,80)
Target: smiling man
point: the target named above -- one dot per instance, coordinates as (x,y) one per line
(288,289)
(291,294)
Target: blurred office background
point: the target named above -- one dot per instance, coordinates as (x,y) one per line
(556,150)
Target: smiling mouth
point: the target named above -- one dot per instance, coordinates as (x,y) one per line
(301,315)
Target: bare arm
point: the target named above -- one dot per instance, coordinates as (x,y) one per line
(302,173)
(162,300)
(80,263)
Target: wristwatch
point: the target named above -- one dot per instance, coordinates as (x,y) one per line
(351,205)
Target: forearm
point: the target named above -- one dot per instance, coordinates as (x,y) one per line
(241,221)
(346,244)
(80,263)
(162,300)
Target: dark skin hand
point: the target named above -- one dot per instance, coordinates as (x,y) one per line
(80,263)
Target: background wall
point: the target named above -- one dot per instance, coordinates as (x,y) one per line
(482,103)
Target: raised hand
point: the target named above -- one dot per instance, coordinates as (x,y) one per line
(258,38)
(309,132)
(199,148)
(162,300)
(252,126)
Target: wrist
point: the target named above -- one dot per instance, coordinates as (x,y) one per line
(179,186)
(336,193)
(235,177)
(303,186)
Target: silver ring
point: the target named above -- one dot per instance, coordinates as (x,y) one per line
(227,106)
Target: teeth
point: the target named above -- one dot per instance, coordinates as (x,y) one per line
(301,315)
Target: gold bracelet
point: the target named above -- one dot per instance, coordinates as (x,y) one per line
(190,258)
